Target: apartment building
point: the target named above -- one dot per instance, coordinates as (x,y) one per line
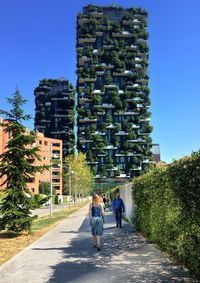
(50,153)
(54,111)
(113,94)
(3,143)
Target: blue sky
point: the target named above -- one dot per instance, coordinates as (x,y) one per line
(37,40)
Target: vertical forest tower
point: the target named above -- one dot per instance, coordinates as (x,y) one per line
(113,94)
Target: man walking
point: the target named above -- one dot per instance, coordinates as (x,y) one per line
(118,208)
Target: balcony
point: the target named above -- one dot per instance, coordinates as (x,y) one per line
(111,86)
(110,46)
(101,113)
(121,133)
(83,60)
(131,47)
(139,140)
(84,100)
(83,141)
(107,106)
(126,113)
(98,33)
(134,126)
(87,80)
(97,91)
(124,34)
(109,147)
(111,126)
(99,133)
(87,120)
(87,40)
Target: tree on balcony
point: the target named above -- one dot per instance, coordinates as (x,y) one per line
(108,118)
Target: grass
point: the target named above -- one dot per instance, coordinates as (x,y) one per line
(11,244)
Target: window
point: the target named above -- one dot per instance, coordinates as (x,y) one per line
(45,143)
(40,142)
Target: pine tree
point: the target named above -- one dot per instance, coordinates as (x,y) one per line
(16,164)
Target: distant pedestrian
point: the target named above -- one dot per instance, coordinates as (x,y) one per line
(96,218)
(118,208)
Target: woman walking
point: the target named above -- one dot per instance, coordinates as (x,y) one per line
(96,218)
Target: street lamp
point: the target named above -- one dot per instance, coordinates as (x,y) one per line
(70,185)
(51,185)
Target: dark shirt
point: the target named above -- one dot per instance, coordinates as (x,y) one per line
(118,204)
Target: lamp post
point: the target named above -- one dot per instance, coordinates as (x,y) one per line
(51,185)
(70,185)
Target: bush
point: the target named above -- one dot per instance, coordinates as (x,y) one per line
(168,209)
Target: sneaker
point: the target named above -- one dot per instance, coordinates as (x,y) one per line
(98,249)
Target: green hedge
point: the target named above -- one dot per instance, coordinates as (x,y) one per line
(113,192)
(168,209)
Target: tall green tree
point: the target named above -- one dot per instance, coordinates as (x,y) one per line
(16,164)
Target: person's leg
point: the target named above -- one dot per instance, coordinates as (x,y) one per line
(95,240)
(120,218)
(98,242)
(117,217)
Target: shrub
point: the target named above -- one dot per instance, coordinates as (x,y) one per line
(168,209)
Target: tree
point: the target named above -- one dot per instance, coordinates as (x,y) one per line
(78,175)
(16,164)
(44,188)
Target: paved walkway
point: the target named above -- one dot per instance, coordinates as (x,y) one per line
(66,254)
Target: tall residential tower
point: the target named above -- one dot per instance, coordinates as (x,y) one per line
(54,112)
(112,86)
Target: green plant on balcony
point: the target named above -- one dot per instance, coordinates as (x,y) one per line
(115,140)
(103,171)
(108,118)
(127,17)
(125,146)
(88,51)
(117,173)
(143,47)
(79,51)
(102,126)
(131,136)
(90,157)
(118,127)
(114,96)
(97,99)
(126,126)
(88,134)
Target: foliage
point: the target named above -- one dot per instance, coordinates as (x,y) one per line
(77,174)
(168,208)
(44,188)
(16,164)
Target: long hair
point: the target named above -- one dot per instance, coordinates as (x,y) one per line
(95,200)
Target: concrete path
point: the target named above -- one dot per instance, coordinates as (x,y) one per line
(66,254)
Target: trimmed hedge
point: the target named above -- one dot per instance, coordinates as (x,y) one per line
(168,209)
(113,192)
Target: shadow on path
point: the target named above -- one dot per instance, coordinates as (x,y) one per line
(125,257)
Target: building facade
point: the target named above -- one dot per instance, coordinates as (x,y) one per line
(3,143)
(54,112)
(156,152)
(50,153)
(113,94)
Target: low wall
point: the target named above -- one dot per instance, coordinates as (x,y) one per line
(126,195)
